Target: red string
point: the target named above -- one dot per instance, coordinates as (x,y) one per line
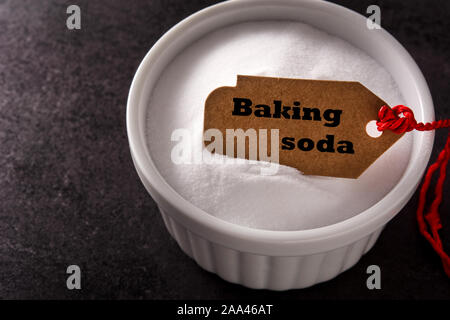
(389,120)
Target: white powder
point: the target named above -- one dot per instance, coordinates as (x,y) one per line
(237,192)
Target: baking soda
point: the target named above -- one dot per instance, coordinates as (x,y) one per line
(237,192)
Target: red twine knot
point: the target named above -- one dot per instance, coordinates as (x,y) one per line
(389,119)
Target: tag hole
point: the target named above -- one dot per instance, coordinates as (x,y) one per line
(371,129)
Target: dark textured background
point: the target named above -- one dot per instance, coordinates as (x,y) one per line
(69,193)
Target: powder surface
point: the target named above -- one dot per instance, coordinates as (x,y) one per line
(238,193)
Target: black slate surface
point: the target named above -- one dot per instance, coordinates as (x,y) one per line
(69,193)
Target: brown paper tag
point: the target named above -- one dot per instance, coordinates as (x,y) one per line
(322,124)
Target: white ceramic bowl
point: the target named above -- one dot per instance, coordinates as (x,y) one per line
(277,260)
